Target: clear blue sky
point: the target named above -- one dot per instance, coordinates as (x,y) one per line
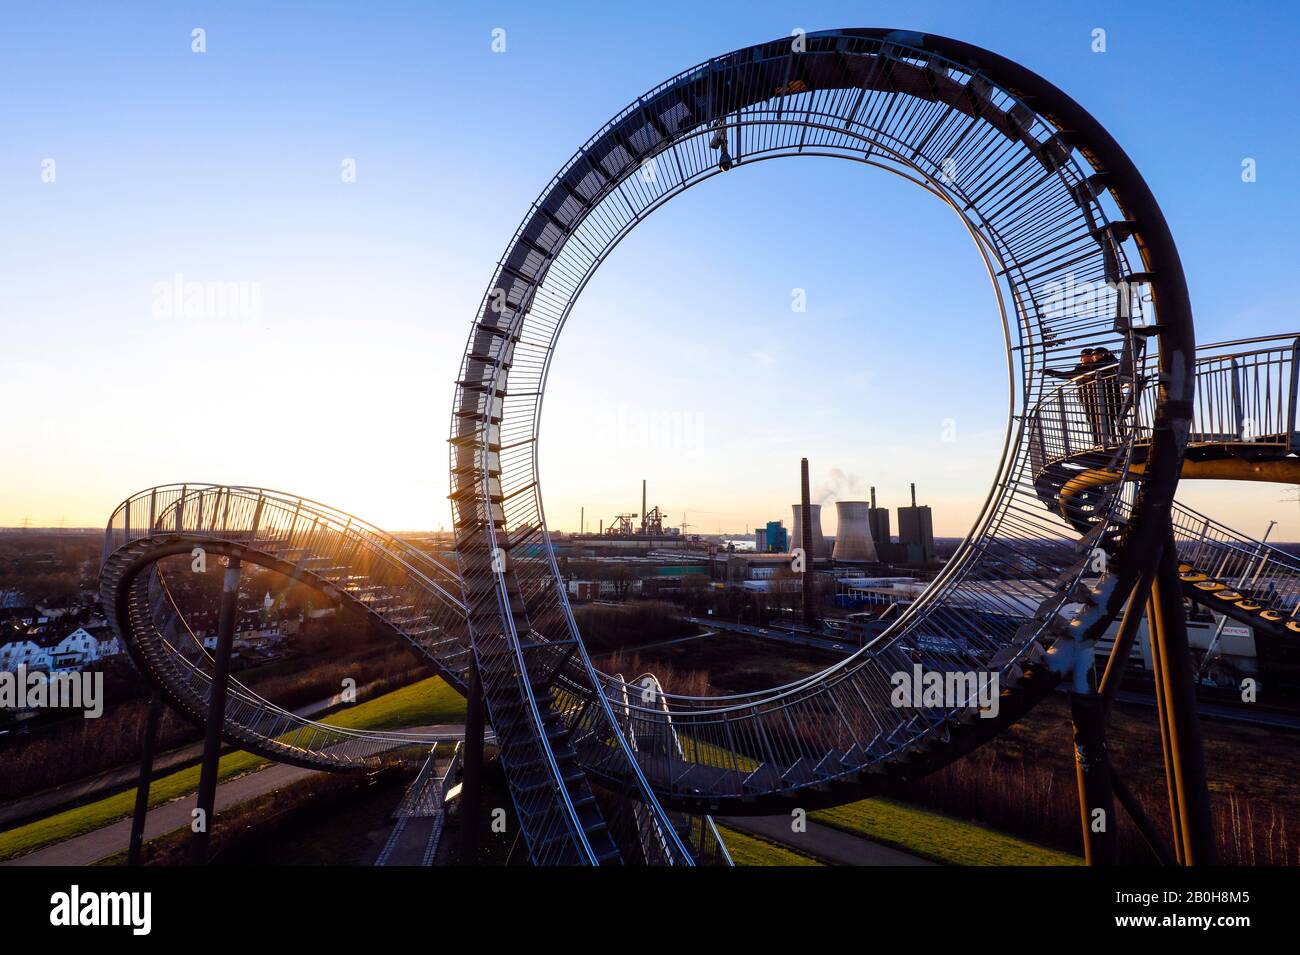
(225,167)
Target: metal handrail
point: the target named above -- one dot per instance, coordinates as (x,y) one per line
(1228,384)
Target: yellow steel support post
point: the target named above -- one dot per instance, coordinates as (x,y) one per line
(1184,760)
(1157,669)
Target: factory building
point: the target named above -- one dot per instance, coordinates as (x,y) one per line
(916,531)
(745,566)
(772,539)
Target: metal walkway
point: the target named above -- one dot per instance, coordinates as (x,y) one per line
(337,553)
(597,773)
(419,818)
(1243,428)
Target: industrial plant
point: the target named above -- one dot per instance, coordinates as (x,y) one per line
(862,534)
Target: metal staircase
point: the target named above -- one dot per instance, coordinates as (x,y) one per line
(419,818)
(698,833)
(596,774)
(398,587)
(819,741)
(1244,425)
(1039,211)
(1237,576)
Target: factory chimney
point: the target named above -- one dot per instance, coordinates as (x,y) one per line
(806,542)
(880,534)
(643,504)
(853,539)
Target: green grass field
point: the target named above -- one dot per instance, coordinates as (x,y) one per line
(919,831)
(427,702)
(936,837)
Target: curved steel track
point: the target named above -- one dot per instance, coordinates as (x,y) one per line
(1052,203)
(383,576)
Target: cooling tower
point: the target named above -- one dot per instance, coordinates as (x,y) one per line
(819,542)
(853,542)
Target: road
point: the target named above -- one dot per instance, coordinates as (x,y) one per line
(90,847)
(776,633)
(1221,711)
(668,643)
(824,842)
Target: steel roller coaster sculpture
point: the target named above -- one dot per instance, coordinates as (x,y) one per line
(1080,526)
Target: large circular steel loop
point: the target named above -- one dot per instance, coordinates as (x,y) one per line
(1055,206)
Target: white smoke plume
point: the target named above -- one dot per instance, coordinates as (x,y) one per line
(839,486)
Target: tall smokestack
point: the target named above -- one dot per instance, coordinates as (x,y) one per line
(853,540)
(914,494)
(582,520)
(643,505)
(879,518)
(806,542)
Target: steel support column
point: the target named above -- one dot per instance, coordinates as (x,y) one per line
(1092,772)
(1188,795)
(148,744)
(1135,812)
(471,789)
(216,710)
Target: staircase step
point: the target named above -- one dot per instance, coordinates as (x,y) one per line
(764,779)
(832,764)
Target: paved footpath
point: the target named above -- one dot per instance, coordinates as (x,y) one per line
(90,847)
(110,781)
(824,842)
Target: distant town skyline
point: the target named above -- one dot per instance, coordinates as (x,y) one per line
(263,271)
